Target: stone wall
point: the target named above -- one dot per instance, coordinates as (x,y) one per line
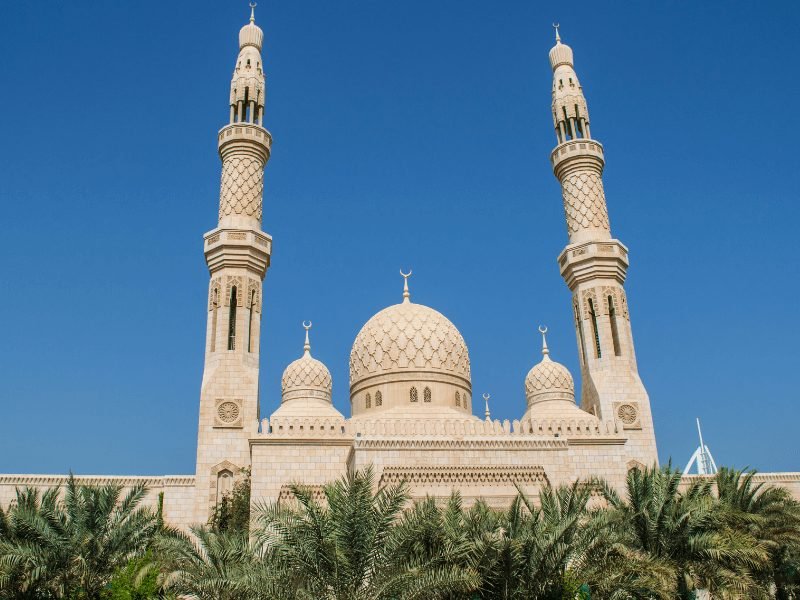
(179,491)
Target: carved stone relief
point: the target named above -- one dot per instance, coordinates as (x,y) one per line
(584,201)
(242,187)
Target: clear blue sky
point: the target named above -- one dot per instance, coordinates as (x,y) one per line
(406,134)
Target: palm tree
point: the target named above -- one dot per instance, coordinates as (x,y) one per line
(343,546)
(210,565)
(684,530)
(53,548)
(532,552)
(771,516)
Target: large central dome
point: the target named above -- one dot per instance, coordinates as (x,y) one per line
(409,355)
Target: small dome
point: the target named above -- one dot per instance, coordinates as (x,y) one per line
(560,54)
(251,34)
(306,378)
(548,380)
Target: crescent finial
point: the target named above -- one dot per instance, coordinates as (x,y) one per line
(558,37)
(486,400)
(253,12)
(545,350)
(307,345)
(406,294)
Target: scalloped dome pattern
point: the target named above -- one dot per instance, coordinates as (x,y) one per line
(408,336)
(251,35)
(549,376)
(306,373)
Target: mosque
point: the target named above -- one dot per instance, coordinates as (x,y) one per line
(412,408)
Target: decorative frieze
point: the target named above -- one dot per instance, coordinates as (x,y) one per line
(464,476)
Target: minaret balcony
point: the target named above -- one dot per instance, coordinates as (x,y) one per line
(577,153)
(238,248)
(247,137)
(606,259)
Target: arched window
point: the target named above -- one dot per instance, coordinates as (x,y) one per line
(250,321)
(215,310)
(378,398)
(232,321)
(458,398)
(579,327)
(612,316)
(413,394)
(224,483)
(426,394)
(368,402)
(596,333)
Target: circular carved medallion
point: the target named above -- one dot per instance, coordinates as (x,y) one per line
(228,412)
(627,414)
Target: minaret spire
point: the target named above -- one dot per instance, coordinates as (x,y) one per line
(253,12)
(594,266)
(558,37)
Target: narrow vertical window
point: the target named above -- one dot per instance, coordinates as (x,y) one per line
(412,395)
(579,327)
(426,394)
(368,401)
(250,321)
(612,316)
(458,398)
(232,321)
(215,310)
(378,398)
(596,333)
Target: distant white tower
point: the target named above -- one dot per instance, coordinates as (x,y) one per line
(702,456)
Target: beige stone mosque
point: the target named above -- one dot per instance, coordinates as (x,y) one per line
(412,407)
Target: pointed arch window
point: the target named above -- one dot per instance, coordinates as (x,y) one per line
(412,394)
(612,316)
(250,320)
(214,311)
(378,398)
(232,321)
(579,327)
(595,332)
(458,398)
(426,394)
(368,401)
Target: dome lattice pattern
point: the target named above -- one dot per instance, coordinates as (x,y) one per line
(548,376)
(306,372)
(408,336)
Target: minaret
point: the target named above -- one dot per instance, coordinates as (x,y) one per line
(594,265)
(238,254)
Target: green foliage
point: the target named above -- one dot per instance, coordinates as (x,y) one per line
(351,540)
(72,546)
(345,546)
(138,580)
(232,512)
